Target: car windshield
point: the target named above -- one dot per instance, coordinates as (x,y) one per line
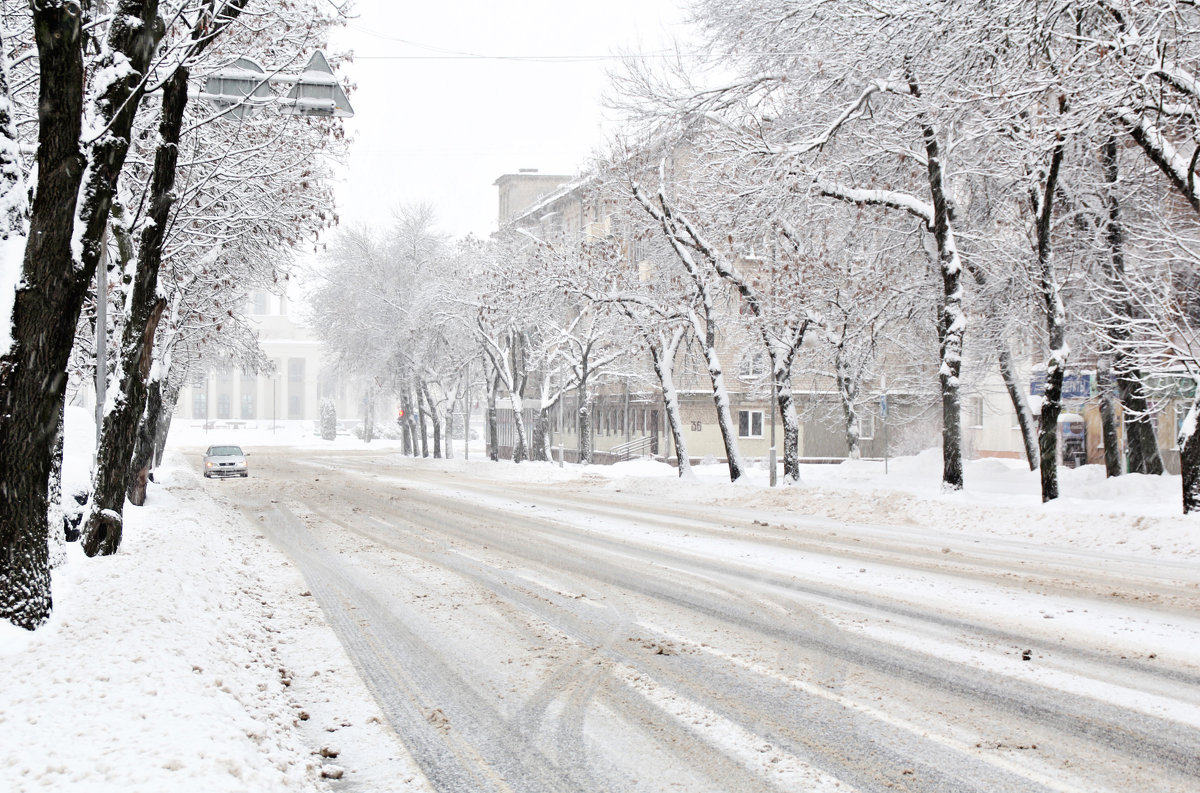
(224,451)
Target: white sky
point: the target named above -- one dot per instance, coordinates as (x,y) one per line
(439,130)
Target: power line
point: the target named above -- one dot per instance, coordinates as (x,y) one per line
(519,58)
(445,54)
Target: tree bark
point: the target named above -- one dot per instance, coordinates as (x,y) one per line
(32,373)
(493,439)
(952,320)
(162,428)
(1108,421)
(434,419)
(102,532)
(143,446)
(422,426)
(1016,395)
(1056,363)
(1144,455)
(662,356)
(1189,456)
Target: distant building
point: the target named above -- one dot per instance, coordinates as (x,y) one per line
(291,391)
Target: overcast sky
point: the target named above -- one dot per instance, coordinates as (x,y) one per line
(435,125)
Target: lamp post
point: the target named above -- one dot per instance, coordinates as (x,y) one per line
(771,456)
(274,400)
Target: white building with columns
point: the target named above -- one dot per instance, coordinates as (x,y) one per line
(291,391)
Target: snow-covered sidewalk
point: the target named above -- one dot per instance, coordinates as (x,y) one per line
(193,660)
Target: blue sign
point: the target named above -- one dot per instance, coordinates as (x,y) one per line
(1075,386)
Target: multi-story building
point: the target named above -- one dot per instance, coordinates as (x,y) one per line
(627,413)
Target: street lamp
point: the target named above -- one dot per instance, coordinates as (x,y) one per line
(274,399)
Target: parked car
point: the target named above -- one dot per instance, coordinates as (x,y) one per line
(225,461)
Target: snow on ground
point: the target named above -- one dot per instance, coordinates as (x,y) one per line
(195,660)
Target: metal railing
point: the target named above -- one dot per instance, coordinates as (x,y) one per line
(635,448)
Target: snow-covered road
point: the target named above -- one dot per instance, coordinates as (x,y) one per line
(528,636)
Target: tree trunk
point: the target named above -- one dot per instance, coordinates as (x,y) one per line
(707,332)
(662,357)
(541,435)
(170,396)
(103,529)
(422,425)
(102,532)
(1140,441)
(56,514)
(1016,395)
(847,393)
(493,424)
(1052,304)
(143,447)
(1189,457)
(520,375)
(435,420)
(1144,456)
(952,321)
(32,373)
(1108,422)
(520,447)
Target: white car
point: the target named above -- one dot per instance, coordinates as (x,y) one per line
(225,461)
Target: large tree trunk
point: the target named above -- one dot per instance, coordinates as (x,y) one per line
(102,532)
(1144,455)
(32,375)
(103,529)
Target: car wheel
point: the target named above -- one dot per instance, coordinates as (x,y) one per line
(207,475)
(245,474)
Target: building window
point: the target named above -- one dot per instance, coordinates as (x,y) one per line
(200,401)
(223,406)
(866,426)
(260,302)
(750,424)
(976,408)
(249,396)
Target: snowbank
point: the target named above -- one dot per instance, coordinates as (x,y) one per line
(193,660)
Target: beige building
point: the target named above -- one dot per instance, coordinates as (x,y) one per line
(628,418)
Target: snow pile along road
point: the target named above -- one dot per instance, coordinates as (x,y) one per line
(194,660)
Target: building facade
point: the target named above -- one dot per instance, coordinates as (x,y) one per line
(290,391)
